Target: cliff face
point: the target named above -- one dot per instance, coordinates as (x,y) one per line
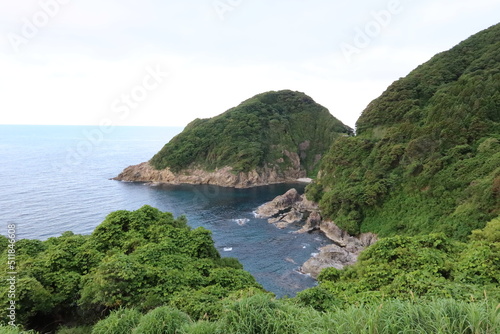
(270,138)
(224,177)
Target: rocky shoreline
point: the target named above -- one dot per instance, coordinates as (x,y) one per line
(224,177)
(292,208)
(286,209)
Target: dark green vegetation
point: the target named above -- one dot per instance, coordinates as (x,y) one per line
(426,157)
(407,268)
(141,259)
(146,272)
(262,314)
(255,134)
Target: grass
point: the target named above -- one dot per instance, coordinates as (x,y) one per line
(439,317)
(261,314)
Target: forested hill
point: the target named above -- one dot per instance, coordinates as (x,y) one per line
(255,134)
(426,157)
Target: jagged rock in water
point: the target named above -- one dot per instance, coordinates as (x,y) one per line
(312,222)
(278,205)
(282,221)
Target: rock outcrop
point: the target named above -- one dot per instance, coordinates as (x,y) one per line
(224,177)
(292,207)
(286,209)
(343,239)
(329,256)
(343,252)
(278,204)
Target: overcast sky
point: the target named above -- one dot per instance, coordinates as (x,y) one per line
(165,62)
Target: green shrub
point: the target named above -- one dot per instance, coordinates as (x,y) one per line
(491,233)
(318,298)
(162,320)
(205,303)
(122,321)
(427,266)
(261,314)
(13,330)
(75,330)
(443,316)
(201,327)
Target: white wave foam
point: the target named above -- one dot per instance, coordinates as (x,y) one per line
(241,221)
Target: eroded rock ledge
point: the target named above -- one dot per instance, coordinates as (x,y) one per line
(292,208)
(224,177)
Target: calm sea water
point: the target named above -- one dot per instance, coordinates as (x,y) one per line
(56,178)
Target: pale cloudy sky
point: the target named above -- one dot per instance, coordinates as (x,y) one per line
(89,61)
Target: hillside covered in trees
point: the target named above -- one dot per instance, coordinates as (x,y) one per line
(426,157)
(141,259)
(255,134)
(146,272)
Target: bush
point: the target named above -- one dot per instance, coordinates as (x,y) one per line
(122,321)
(75,330)
(490,233)
(162,320)
(439,316)
(201,327)
(13,330)
(261,314)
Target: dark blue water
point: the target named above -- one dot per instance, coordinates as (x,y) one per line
(56,178)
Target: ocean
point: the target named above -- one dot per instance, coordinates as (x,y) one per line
(57,178)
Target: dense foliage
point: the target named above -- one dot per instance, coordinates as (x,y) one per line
(255,134)
(426,157)
(146,272)
(141,259)
(263,314)
(406,268)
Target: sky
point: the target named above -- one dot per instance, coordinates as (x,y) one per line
(165,62)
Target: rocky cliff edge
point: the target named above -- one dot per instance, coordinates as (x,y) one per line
(224,177)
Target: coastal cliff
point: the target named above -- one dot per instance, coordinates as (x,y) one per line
(224,177)
(272,137)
